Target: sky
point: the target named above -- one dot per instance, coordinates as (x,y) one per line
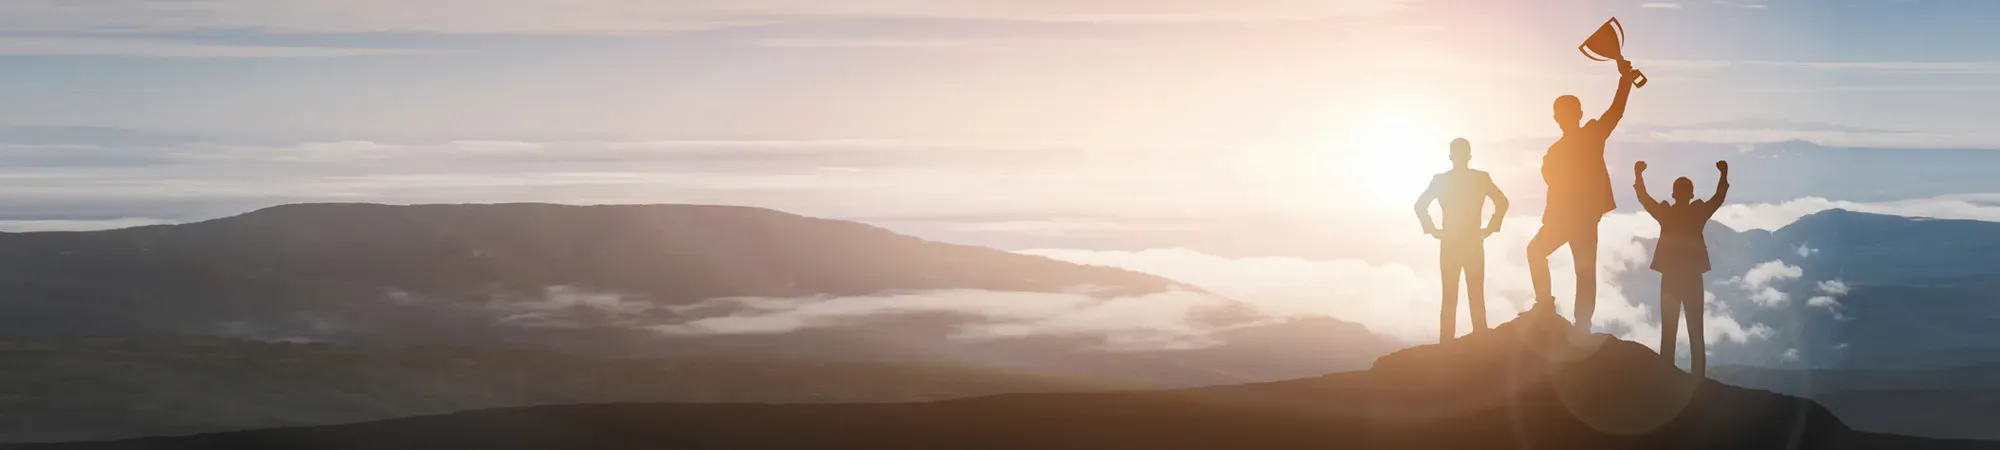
(1240,136)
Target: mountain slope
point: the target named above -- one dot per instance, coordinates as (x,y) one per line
(1524,385)
(1898,291)
(1955,403)
(105,388)
(171,278)
(590,283)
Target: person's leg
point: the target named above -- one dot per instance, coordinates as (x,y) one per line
(1697,341)
(1545,243)
(1670,317)
(1448,267)
(1583,248)
(1475,286)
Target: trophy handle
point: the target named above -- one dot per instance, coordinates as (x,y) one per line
(1585,50)
(1639,78)
(1621,30)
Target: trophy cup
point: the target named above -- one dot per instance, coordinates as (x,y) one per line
(1606,45)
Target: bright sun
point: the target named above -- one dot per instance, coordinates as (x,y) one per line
(1393,156)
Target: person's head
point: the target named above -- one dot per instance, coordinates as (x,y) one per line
(1461,152)
(1683,190)
(1569,112)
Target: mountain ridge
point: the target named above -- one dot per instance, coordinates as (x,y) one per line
(1564,391)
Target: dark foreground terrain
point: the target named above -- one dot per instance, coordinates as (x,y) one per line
(114,389)
(1526,385)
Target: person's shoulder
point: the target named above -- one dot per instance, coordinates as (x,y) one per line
(1598,127)
(1463,174)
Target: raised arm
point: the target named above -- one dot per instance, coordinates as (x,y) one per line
(1639,185)
(1499,206)
(1424,207)
(1617,110)
(1721,187)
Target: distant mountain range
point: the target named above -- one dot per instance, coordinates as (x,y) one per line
(346,259)
(1527,384)
(314,310)
(1911,292)
(1911,346)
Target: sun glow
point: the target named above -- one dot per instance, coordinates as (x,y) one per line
(1389,157)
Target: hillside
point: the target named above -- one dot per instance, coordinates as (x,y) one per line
(343,258)
(1913,292)
(105,388)
(1524,385)
(1956,403)
(324,314)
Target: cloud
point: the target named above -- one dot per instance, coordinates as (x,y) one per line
(1830,291)
(1401,300)
(1769,271)
(1741,5)
(1172,320)
(1720,325)
(938,43)
(173,48)
(617,16)
(565,307)
(1383,297)
(1791,355)
(1978,67)
(1768,297)
(1165,320)
(1060,227)
(1660,5)
(1824,137)
(1772,216)
(24,226)
(1757,281)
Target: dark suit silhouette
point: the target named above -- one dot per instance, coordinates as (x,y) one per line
(1463,192)
(1681,257)
(1579,196)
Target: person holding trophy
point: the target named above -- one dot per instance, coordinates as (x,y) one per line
(1579,192)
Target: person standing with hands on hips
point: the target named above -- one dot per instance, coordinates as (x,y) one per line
(1463,193)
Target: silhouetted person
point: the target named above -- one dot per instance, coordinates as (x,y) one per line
(1463,192)
(1681,257)
(1579,196)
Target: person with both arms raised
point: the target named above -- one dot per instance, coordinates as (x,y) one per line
(1681,257)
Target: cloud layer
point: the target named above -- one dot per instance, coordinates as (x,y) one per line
(1159,321)
(1400,299)
(613,16)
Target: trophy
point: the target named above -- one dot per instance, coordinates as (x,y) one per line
(1606,44)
